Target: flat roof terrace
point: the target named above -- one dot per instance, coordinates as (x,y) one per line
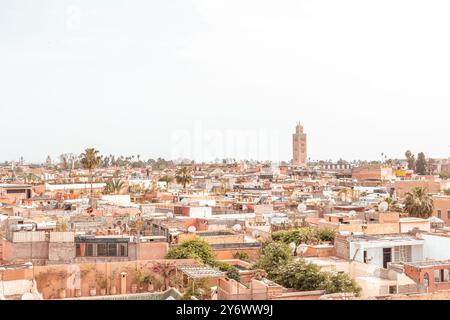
(429,264)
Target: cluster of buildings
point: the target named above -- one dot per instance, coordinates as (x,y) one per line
(60,231)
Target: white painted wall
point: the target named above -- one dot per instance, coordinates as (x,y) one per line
(377,256)
(200,212)
(121,200)
(417,253)
(376,253)
(436,247)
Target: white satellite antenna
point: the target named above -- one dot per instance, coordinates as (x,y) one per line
(352,213)
(383,206)
(169,215)
(302,249)
(237,227)
(302,207)
(192,229)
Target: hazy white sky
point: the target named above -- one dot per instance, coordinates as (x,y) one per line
(224,78)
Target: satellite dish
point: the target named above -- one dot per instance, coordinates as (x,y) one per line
(184,201)
(255,234)
(169,215)
(302,207)
(352,213)
(192,229)
(371,211)
(383,206)
(237,227)
(302,249)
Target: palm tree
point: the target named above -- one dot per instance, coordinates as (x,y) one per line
(184,176)
(345,192)
(114,186)
(418,203)
(393,205)
(90,160)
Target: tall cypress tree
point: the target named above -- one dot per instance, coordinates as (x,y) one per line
(421,164)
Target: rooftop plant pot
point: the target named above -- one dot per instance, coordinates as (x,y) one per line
(92,291)
(113,290)
(134,288)
(62,293)
(78,293)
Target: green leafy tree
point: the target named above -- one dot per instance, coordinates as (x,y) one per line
(418,203)
(326,235)
(299,275)
(90,160)
(340,282)
(231,271)
(194,249)
(305,235)
(421,164)
(201,251)
(305,276)
(447,192)
(274,255)
(167,179)
(411,160)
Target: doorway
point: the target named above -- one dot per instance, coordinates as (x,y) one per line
(387,257)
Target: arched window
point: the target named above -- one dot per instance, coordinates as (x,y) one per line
(426,279)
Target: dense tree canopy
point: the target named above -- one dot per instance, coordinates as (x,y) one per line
(410,158)
(279,264)
(421,164)
(274,255)
(194,249)
(201,251)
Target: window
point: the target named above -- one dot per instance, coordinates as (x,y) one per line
(102,250)
(437,276)
(89,250)
(112,250)
(78,250)
(15,191)
(448,214)
(439,214)
(402,254)
(444,275)
(123,250)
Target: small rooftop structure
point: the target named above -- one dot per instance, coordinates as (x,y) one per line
(200,272)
